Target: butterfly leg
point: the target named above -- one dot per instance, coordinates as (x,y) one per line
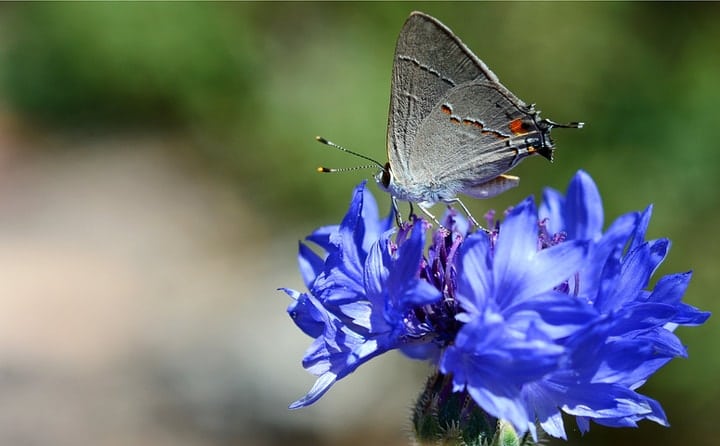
(467,212)
(396,210)
(398,217)
(432,217)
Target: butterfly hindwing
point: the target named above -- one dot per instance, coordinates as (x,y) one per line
(472,135)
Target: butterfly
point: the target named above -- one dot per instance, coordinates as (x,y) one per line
(453,128)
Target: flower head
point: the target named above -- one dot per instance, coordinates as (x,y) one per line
(631,335)
(361,294)
(545,314)
(514,316)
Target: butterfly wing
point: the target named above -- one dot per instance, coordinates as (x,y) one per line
(489,131)
(429,61)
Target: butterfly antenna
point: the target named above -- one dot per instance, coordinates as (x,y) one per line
(343,169)
(570,125)
(339,147)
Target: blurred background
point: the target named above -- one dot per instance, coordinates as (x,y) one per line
(157,169)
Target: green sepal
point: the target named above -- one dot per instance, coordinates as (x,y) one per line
(442,417)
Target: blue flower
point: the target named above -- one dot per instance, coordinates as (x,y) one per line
(579,216)
(547,313)
(514,316)
(362,294)
(631,336)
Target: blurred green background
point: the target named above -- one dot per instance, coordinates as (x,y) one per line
(175,143)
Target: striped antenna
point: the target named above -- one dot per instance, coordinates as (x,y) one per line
(322,169)
(339,147)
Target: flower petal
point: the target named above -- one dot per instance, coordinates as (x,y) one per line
(583,208)
(517,241)
(474,274)
(311,264)
(549,268)
(322,385)
(551,209)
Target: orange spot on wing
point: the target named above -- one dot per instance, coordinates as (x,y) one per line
(494,133)
(472,123)
(518,127)
(454,120)
(445,109)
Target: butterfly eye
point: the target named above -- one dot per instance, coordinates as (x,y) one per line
(385,179)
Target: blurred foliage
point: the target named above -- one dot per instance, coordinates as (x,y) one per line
(250,85)
(102,65)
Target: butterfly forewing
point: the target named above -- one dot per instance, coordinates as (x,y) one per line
(429,61)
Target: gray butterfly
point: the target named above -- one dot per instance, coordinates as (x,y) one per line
(453,127)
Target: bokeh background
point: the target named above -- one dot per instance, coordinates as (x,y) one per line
(157,169)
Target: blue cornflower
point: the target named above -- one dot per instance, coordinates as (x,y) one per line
(514,316)
(361,295)
(631,335)
(544,314)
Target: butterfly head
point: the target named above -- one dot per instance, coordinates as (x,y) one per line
(384,178)
(546,146)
